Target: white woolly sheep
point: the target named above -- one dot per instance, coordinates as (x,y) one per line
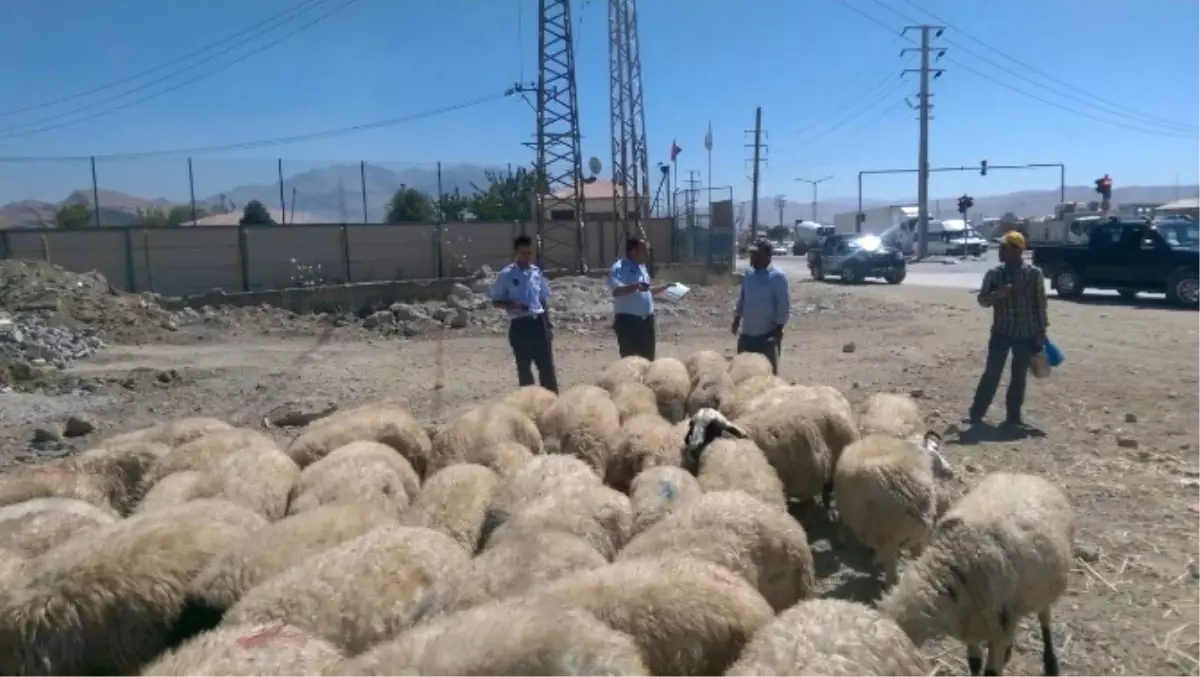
(28,529)
(12,566)
(533,401)
(360,472)
(390,424)
(830,637)
(583,423)
(887,497)
(892,415)
(358,593)
(502,458)
(259,477)
(104,601)
(513,638)
(633,399)
(599,515)
(748,365)
(455,501)
(630,369)
(131,461)
(171,433)
(738,465)
(687,616)
(103,482)
(223,581)
(512,566)
(669,380)
(704,361)
(657,492)
(540,477)
(709,390)
(834,416)
(480,426)
(645,441)
(761,543)
(1004,551)
(206,452)
(734,403)
(272,649)
(173,489)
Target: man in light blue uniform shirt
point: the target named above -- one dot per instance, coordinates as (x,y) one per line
(763,306)
(633,301)
(522,291)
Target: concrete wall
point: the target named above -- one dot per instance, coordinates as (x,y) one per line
(186,261)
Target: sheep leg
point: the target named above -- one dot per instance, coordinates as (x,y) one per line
(1049,658)
(998,654)
(974,659)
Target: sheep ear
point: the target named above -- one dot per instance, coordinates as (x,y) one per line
(736,431)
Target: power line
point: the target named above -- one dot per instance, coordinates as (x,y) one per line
(856,111)
(21,132)
(298,9)
(276,141)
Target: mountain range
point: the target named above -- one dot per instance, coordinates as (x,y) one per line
(336,194)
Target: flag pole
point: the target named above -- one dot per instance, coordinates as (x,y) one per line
(708,143)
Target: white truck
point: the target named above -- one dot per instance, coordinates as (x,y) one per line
(894,224)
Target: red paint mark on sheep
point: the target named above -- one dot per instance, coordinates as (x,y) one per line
(263,638)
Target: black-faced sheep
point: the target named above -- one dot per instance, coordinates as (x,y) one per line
(358,593)
(645,441)
(480,426)
(389,424)
(731,464)
(31,528)
(669,380)
(271,650)
(104,601)
(455,501)
(734,403)
(658,492)
(630,369)
(1004,551)
(687,616)
(830,637)
(704,361)
(583,423)
(599,515)
(633,399)
(748,365)
(533,401)
(507,638)
(763,544)
(360,472)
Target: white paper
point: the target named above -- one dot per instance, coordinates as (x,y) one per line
(676,292)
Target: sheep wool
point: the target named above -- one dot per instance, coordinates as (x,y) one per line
(455,501)
(173,489)
(480,426)
(748,365)
(259,477)
(669,380)
(502,458)
(31,528)
(206,452)
(533,401)
(630,369)
(102,483)
(358,593)
(130,462)
(271,650)
(171,433)
(657,492)
(540,477)
(599,515)
(709,390)
(891,415)
(12,566)
(223,581)
(762,544)
(583,423)
(705,361)
(745,391)
(830,637)
(104,601)
(390,424)
(687,617)
(633,399)
(513,638)
(646,441)
(1004,551)
(739,465)
(359,472)
(831,410)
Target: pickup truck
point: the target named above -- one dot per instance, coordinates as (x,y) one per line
(1129,256)
(855,258)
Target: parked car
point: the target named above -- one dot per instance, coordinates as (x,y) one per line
(1130,256)
(854,258)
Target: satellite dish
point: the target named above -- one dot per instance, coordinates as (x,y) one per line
(594,165)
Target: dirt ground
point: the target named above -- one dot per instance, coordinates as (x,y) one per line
(1116,426)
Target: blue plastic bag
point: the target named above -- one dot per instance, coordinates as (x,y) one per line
(1054,356)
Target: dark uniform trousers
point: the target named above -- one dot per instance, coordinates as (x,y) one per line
(999,346)
(764,345)
(635,335)
(532,344)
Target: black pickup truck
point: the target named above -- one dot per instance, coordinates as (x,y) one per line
(854,258)
(1129,256)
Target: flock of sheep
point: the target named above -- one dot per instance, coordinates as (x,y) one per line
(642,525)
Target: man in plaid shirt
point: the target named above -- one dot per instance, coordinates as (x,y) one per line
(1016,293)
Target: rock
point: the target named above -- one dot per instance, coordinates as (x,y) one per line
(849,347)
(79,425)
(916,393)
(46,434)
(410,329)
(1127,442)
(408,312)
(459,319)
(1131,418)
(166,376)
(297,414)
(460,289)
(1087,553)
(379,318)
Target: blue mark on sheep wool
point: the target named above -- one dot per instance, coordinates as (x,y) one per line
(666,490)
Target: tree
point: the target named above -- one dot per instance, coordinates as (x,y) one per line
(183,213)
(410,205)
(453,206)
(507,197)
(256,214)
(778,233)
(150,217)
(73,216)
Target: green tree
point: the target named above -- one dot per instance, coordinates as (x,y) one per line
(410,205)
(183,213)
(256,214)
(73,216)
(507,196)
(453,206)
(778,233)
(150,217)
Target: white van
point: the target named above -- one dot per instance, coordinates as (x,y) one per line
(955,237)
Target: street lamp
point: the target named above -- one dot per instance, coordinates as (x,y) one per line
(814,185)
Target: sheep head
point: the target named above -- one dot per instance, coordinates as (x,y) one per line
(705,426)
(932,444)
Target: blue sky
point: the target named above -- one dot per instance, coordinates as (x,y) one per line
(826,76)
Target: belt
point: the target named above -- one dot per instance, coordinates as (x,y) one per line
(639,317)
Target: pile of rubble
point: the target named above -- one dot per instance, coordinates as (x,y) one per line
(28,343)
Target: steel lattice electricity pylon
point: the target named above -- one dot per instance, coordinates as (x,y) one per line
(630,162)
(560,190)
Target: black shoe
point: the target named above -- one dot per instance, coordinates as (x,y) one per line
(974,420)
(1014,422)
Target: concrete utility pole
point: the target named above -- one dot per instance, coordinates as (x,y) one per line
(814,185)
(758,159)
(928,33)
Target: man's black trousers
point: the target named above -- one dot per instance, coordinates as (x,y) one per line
(765,345)
(999,346)
(532,344)
(635,335)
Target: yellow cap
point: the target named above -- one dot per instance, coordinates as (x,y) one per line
(1014,239)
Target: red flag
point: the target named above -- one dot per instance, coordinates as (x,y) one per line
(675,151)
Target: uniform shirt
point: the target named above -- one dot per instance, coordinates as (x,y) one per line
(763,302)
(624,272)
(1023,313)
(522,285)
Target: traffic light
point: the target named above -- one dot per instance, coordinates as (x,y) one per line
(1104,187)
(983,167)
(964,204)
